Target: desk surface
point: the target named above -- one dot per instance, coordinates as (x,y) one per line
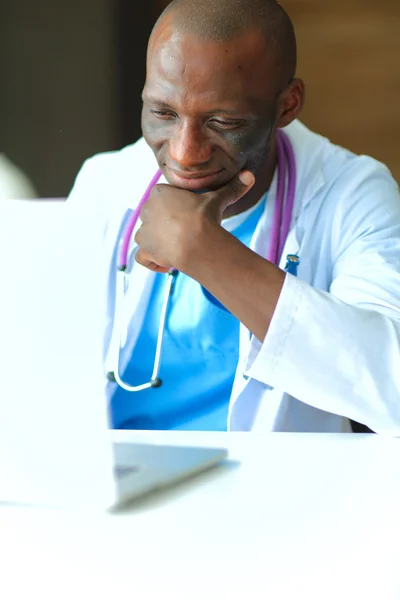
(303,516)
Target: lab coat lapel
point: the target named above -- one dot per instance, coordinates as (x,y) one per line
(139,283)
(308,182)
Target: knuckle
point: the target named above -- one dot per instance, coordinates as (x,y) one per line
(138,257)
(235,187)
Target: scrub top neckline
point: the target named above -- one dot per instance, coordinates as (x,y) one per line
(231,223)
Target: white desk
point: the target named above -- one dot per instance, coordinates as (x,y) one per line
(303,517)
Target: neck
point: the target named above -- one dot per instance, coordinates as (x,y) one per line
(263,182)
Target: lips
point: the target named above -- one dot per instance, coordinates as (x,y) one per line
(194,180)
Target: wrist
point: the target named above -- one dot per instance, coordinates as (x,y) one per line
(196,245)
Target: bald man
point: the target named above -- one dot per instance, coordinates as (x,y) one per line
(305,337)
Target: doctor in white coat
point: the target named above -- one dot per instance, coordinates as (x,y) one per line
(311,352)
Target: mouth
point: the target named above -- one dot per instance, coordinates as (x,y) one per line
(194,181)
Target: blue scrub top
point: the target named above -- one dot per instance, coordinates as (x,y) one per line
(199,355)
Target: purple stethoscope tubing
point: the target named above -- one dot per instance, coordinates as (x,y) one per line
(130,226)
(282,211)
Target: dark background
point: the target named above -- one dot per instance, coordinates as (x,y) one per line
(72,73)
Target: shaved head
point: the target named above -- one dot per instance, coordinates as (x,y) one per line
(224,20)
(220,81)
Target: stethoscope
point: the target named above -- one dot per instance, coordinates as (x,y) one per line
(282,219)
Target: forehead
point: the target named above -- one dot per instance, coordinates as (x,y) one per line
(199,74)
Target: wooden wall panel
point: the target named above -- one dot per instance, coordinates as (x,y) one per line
(349,56)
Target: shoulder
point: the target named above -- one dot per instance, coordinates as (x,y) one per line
(325,164)
(331,178)
(116,179)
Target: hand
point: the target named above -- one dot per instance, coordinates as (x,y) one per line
(174,222)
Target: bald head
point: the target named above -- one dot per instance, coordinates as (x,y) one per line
(220,82)
(224,20)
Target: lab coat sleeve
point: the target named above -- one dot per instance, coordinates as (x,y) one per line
(339,351)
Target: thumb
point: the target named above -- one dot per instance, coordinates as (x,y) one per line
(232,191)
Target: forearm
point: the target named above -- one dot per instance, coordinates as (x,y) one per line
(245,283)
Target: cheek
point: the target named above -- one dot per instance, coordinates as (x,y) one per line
(242,145)
(154,132)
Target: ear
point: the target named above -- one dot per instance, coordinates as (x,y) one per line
(290,102)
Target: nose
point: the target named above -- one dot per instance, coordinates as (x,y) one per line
(189,147)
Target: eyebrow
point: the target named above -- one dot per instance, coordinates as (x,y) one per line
(213,111)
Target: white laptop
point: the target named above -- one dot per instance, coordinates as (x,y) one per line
(55,443)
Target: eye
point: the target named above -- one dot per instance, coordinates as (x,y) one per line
(162,114)
(221,124)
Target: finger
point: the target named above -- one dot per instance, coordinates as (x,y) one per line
(232,191)
(137,236)
(145,260)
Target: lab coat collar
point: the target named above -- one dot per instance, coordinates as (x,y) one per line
(308,149)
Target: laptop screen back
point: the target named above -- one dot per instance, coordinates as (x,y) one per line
(54,443)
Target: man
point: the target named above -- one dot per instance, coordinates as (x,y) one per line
(312,352)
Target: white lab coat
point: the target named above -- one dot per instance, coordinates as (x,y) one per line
(332,352)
